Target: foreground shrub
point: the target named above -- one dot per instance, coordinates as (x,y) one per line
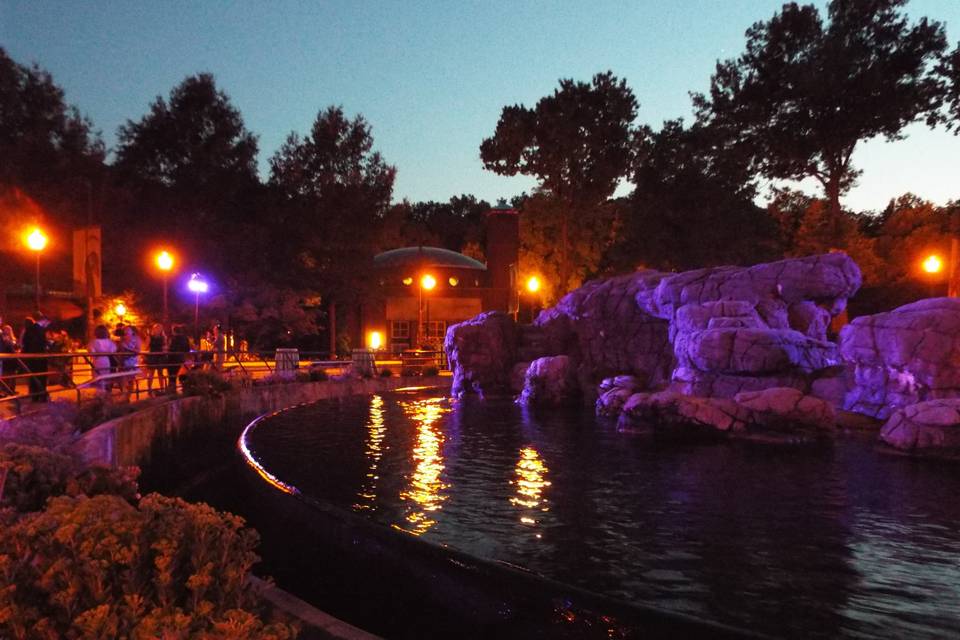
(205,382)
(34,474)
(102,568)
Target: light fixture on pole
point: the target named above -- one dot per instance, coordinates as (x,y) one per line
(36,241)
(120,310)
(197,285)
(164,262)
(427,282)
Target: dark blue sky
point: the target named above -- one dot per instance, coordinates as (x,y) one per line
(430,77)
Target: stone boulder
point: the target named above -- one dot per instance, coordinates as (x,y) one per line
(550,381)
(903,356)
(481,353)
(784,408)
(828,280)
(928,427)
(675,411)
(603,329)
(614,392)
(753,351)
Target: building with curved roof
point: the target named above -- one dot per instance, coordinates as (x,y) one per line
(426,289)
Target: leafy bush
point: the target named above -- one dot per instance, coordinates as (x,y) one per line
(102,568)
(318,374)
(385,372)
(34,474)
(431,371)
(205,382)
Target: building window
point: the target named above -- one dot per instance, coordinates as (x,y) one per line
(400,329)
(435,328)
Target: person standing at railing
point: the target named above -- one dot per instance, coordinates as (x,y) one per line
(179,348)
(130,361)
(156,361)
(8,345)
(34,341)
(101,344)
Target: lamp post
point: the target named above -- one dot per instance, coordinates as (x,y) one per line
(933,265)
(121,310)
(36,241)
(533,285)
(197,285)
(427,282)
(164,262)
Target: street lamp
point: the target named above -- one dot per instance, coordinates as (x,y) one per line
(932,265)
(36,241)
(427,282)
(197,285)
(165,263)
(121,310)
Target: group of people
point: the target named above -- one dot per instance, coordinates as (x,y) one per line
(117,352)
(37,337)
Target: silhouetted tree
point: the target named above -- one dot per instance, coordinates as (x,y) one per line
(693,205)
(577,142)
(196,141)
(47,148)
(337,190)
(804,93)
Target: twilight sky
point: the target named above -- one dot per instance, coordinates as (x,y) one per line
(430,77)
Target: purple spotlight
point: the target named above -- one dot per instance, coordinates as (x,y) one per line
(197,285)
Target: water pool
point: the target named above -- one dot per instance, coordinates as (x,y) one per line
(801,541)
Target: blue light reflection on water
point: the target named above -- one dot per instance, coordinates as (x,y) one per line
(819,541)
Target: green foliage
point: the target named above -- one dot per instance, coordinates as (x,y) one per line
(194,141)
(804,93)
(318,374)
(336,189)
(693,205)
(44,143)
(102,568)
(35,474)
(578,143)
(205,382)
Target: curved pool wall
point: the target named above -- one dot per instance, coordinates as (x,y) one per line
(406,587)
(180,438)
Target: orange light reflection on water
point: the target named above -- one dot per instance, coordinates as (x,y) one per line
(530,481)
(426,488)
(376,432)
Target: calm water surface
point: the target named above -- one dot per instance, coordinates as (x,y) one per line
(798,541)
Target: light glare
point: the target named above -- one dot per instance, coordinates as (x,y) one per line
(933,264)
(36,240)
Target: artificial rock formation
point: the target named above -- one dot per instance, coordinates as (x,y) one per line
(925,427)
(481,352)
(550,381)
(711,332)
(903,356)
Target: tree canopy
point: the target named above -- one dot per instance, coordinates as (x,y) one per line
(693,204)
(46,146)
(337,190)
(577,142)
(195,140)
(804,93)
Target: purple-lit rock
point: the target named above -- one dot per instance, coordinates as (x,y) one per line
(903,356)
(828,279)
(603,329)
(550,381)
(481,353)
(785,408)
(933,425)
(671,410)
(614,392)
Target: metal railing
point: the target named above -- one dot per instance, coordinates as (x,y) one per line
(28,377)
